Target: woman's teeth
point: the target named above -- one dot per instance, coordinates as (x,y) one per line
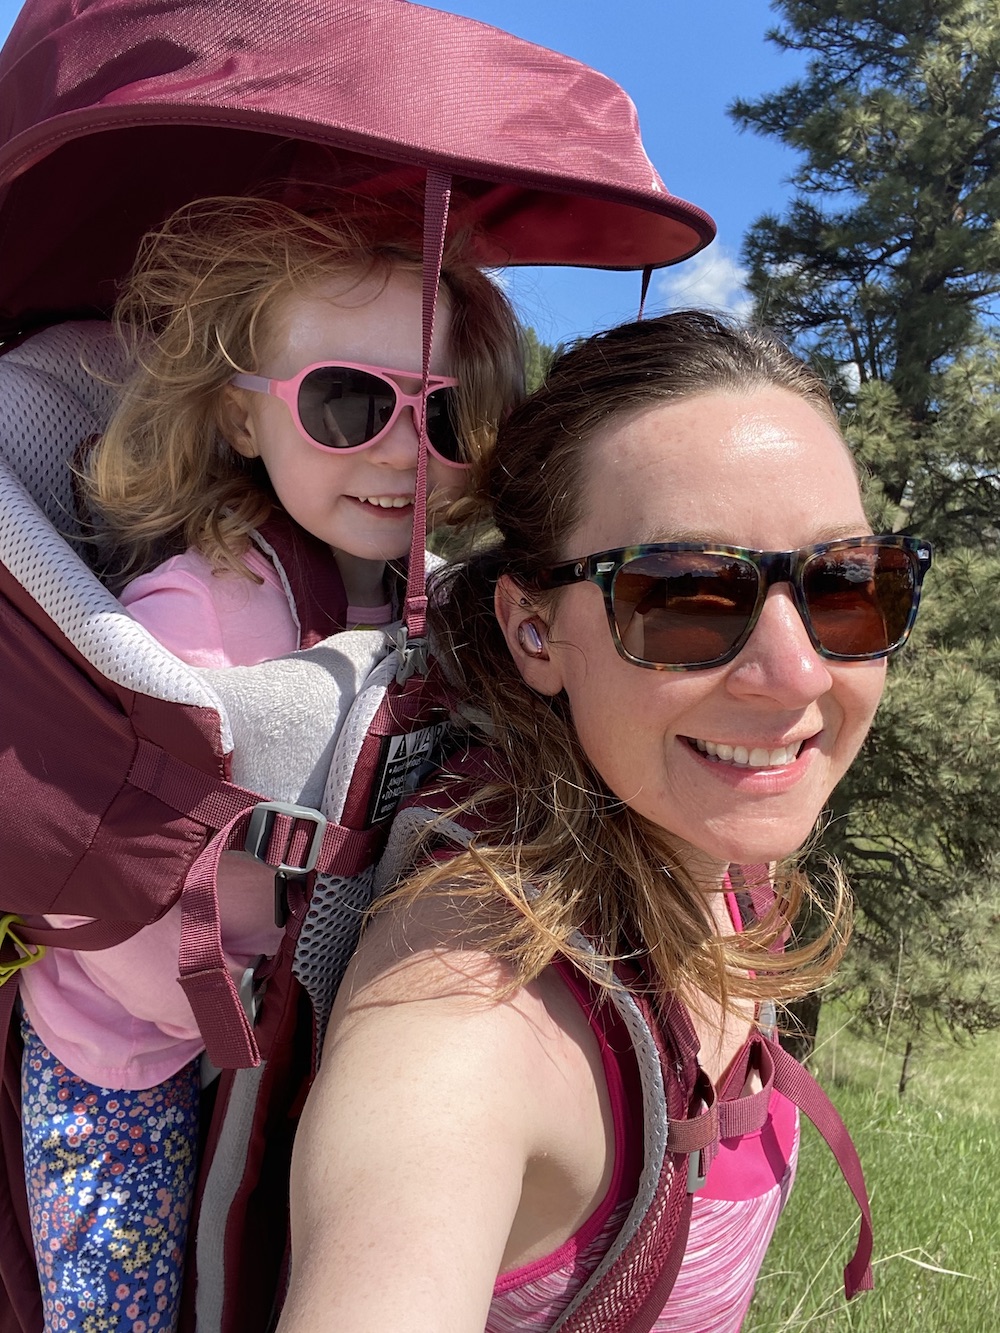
(758,757)
(387,501)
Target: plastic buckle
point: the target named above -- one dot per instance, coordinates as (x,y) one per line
(412,656)
(697,1174)
(27,953)
(259,834)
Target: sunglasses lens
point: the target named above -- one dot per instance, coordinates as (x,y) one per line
(860,598)
(683,608)
(341,408)
(442,415)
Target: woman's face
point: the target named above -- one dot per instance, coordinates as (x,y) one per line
(764,471)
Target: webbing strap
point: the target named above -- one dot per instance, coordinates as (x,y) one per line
(723,1117)
(726,1118)
(437,199)
(227,809)
(798,1085)
(204,974)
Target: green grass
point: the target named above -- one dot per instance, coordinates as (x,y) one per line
(932,1162)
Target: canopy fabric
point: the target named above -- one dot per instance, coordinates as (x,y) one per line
(115,112)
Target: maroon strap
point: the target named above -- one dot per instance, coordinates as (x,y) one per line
(729,1117)
(755,882)
(437,199)
(204,974)
(227,809)
(313,577)
(798,1085)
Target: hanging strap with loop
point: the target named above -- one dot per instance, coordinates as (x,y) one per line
(411,640)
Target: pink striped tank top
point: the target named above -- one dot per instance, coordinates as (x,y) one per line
(732,1219)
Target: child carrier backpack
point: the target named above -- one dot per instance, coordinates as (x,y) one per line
(125,774)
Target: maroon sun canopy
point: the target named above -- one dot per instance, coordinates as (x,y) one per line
(114,113)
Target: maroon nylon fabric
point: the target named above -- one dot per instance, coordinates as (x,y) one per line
(66,753)
(117,825)
(125,112)
(320,599)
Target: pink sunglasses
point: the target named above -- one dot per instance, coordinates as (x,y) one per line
(345,407)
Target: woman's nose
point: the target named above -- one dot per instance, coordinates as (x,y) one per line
(779,659)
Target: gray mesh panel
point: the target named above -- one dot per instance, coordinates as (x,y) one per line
(328,939)
(57,388)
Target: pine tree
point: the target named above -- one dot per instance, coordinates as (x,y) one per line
(885,270)
(538,357)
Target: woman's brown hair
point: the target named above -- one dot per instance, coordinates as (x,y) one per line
(559,847)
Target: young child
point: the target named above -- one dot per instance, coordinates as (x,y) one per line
(277,381)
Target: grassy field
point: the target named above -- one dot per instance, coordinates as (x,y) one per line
(932,1163)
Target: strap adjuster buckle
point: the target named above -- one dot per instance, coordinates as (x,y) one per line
(413,655)
(261,824)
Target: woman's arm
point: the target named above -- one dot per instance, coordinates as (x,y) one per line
(433,1102)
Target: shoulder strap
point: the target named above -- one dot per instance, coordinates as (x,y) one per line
(630,1288)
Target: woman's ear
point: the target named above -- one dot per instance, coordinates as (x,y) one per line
(527,634)
(236,423)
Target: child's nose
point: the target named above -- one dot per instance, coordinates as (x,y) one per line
(399,445)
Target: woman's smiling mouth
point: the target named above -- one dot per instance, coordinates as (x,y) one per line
(744,756)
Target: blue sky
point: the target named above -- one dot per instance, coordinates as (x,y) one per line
(682,62)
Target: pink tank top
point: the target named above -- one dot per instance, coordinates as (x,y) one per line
(732,1219)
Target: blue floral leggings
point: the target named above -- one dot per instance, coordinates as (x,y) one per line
(110,1176)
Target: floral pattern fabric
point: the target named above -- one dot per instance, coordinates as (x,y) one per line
(110,1178)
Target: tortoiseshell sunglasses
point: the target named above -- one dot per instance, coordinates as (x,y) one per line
(682,606)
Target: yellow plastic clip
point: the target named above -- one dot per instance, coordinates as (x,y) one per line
(26,953)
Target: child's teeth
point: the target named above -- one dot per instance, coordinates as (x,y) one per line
(387,501)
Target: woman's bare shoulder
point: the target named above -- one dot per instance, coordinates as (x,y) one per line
(436,1090)
(423,949)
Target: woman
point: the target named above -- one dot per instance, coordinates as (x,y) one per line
(472,1142)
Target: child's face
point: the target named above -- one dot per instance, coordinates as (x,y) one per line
(350,501)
